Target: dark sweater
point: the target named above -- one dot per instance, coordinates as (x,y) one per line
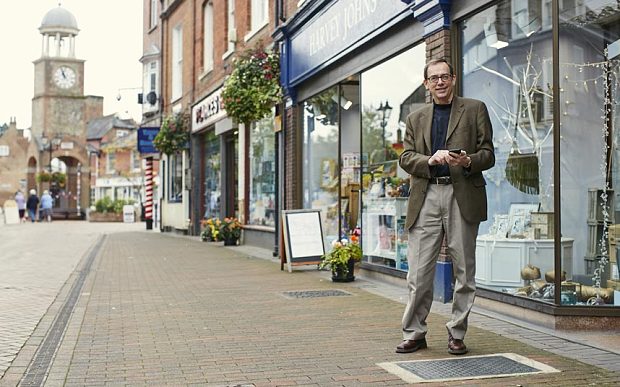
(439,130)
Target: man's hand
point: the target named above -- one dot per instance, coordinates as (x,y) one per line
(462,159)
(443,156)
(439,158)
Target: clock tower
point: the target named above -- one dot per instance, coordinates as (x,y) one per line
(61,111)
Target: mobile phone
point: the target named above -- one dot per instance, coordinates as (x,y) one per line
(455,150)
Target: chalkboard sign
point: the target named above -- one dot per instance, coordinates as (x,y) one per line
(303,237)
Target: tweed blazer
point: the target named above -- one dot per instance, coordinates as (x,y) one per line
(469,128)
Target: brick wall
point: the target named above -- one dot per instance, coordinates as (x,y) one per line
(207,82)
(291,164)
(438,45)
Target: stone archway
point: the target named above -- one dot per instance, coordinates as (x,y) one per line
(72,196)
(70,190)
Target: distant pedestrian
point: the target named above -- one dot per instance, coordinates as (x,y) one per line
(46,206)
(32,205)
(21,205)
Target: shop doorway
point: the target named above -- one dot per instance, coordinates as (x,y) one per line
(230,177)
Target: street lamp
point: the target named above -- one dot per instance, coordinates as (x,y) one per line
(50,145)
(386,111)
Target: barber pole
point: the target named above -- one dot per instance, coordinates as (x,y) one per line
(148,205)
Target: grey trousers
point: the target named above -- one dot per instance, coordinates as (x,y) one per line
(439,215)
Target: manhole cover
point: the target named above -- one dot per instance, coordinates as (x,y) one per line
(471,367)
(315,293)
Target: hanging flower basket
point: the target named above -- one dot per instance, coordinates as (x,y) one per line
(44,177)
(253,87)
(173,134)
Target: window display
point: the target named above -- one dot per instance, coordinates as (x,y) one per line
(508,63)
(589,72)
(175,162)
(212,175)
(262,173)
(390,91)
(320,159)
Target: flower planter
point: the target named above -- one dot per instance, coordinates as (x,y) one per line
(104,217)
(340,276)
(231,242)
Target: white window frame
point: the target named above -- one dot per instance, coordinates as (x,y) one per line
(152,80)
(175,176)
(153,14)
(259,16)
(110,160)
(137,161)
(232,26)
(177,63)
(208,34)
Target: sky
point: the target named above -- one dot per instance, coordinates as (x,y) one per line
(110,41)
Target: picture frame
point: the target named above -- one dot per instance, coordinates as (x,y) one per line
(328,172)
(501,225)
(520,219)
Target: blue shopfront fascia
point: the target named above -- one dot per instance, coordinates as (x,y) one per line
(323,32)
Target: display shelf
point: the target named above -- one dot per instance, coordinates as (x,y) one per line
(384,240)
(499,260)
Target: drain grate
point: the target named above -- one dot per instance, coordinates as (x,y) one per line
(37,371)
(472,367)
(315,293)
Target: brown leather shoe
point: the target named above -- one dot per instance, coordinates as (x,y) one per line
(408,346)
(456,346)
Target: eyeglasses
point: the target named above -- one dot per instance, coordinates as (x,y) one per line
(436,78)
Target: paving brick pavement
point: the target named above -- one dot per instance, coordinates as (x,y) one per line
(35,261)
(160,310)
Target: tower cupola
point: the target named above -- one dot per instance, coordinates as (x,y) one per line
(60,28)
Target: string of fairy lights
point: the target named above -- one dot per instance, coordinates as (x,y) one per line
(605,133)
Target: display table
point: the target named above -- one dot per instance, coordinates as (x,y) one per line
(499,260)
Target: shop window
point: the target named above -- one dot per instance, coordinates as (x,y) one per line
(320,160)
(262,173)
(515,82)
(175,164)
(589,169)
(212,175)
(389,93)
(515,247)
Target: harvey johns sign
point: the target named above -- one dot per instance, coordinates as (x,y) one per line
(342,26)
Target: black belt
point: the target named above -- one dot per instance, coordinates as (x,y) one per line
(441,180)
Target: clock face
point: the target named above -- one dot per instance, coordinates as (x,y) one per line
(64,77)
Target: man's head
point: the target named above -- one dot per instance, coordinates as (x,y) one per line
(439,80)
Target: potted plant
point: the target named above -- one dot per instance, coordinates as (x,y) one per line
(210,230)
(230,231)
(342,258)
(173,134)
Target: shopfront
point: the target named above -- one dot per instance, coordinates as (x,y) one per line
(354,72)
(214,165)
(552,89)
(550,82)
